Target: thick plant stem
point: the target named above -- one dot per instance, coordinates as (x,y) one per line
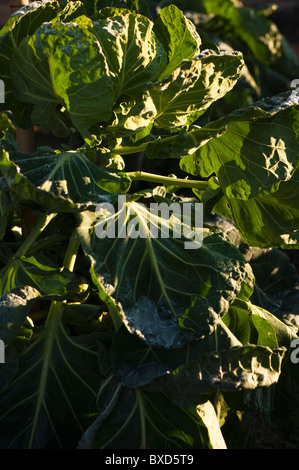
(44,220)
(141,147)
(116,317)
(165,180)
(47,242)
(56,307)
(71,252)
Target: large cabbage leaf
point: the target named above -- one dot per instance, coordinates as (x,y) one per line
(171,295)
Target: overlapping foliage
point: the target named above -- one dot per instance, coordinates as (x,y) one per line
(136,342)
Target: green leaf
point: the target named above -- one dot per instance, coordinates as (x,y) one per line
(279,331)
(134,118)
(136,363)
(136,6)
(217,362)
(178,145)
(138,420)
(178,36)
(22,23)
(239,321)
(6,125)
(249,324)
(260,35)
(71,11)
(39,272)
(133,53)
(62,180)
(51,72)
(184,96)
(162,292)
(270,220)
(14,307)
(208,414)
(276,285)
(279,404)
(52,399)
(244,367)
(258,150)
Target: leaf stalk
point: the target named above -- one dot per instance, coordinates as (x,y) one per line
(56,307)
(165,180)
(141,147)
(41,224)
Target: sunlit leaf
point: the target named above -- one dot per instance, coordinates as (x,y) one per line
(165,293)
(257,151)
(50,72)
(61,179)
(178,36)
(184,96)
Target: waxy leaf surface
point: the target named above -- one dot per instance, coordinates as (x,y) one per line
(22,23)
(59,67)
(139,420)
(184,96)
(53,387)
(258,150)
(60,180)
(164,293)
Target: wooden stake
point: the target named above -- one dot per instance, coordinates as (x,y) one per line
(17,4)
(25,143)
(25,140)
(25,137)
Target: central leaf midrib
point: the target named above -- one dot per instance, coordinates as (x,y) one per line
(61,161)
(51,329)
(152,255)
